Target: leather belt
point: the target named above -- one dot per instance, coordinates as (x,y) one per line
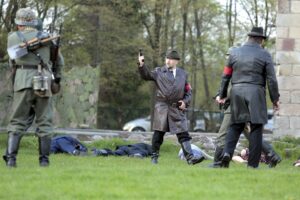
(26,66)
(247,84)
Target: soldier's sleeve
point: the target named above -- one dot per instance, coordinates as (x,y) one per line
(187,92)
(146,74)
(271,79)
(227,74)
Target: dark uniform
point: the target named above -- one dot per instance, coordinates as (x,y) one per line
(249,68)
(167,115)
(67,144)
(272,158)
(25,97)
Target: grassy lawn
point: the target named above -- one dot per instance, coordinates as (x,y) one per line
(89,177)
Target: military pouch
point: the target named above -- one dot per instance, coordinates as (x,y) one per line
(40,85)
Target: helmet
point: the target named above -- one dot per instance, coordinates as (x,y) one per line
(26,17)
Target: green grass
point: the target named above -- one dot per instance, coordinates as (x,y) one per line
(70,177)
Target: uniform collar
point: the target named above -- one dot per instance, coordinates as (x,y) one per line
(253,44)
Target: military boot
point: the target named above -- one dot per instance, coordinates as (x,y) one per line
(272,157)
(154,158)
(188,153)
(225,160)
(217,158)
(13,143)
(5,156)
(44,150)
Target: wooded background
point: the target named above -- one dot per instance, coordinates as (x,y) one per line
(107,34)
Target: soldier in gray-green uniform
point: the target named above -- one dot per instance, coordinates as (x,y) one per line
(272,157)
(36,63)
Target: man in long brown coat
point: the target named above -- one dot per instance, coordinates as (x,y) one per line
(173,95)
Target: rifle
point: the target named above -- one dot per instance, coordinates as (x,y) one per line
(54,55)
(22,49)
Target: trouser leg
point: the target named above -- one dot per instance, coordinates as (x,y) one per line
(184,139)
(157,140)
(44,150)
(44,115)
(272,157)
(232,138)
(13,143)
(220,140)
(21,106)
(255,145)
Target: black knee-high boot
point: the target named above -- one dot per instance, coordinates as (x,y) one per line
(13,143)
(188,153)
(44,150)
(217,158)
(157,140)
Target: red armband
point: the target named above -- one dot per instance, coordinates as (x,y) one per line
(227,70)
(187,87)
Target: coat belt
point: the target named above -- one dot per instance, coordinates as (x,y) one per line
(173,104)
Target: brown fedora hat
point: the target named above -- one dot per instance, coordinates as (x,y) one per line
(257,32)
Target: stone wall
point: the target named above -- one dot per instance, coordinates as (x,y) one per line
(288,67)
(74,107)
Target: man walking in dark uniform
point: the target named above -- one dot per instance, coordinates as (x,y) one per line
(272,157)
(173,95)
(249,68)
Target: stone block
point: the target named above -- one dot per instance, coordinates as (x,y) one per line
(288,44)
(288,20)
(283,6)
(282,32)
(294,32)
(284,70)
(289,110)
(286,132)
(289,83)
(281,122)
(285,96)
(295,7)
(296,70)
(297,45)
(295,97)
(295,122)
(284,57)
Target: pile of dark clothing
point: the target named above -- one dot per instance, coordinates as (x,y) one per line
(139,150)
(67,144)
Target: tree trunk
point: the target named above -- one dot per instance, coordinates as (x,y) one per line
(164,42)
(201,56)
(158,10)
(184,6)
